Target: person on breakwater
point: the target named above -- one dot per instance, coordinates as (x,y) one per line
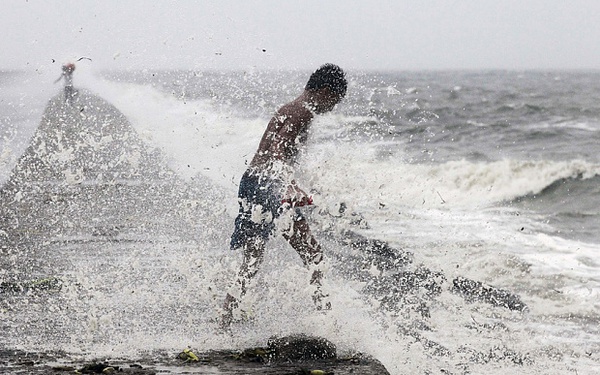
(267,189)
(67,74)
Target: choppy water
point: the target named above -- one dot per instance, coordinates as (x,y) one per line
(487,175)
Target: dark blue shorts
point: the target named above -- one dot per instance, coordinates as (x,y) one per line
(260,201)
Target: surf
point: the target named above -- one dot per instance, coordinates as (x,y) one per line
(143,266)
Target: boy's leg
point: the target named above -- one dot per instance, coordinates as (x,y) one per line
(311,253)
(253,258)
(304,243)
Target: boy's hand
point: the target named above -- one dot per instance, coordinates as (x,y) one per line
(296,197)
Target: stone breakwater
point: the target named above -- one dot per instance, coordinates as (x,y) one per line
(290,355)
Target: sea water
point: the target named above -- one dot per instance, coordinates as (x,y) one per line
(488,175)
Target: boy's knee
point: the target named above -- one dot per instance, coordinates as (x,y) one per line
(311,258)
(316,258)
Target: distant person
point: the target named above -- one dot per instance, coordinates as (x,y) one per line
(267,189)
(67,75)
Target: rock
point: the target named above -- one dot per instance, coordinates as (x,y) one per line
(376,252)
(48,284)
(416,288)
(473,290)
(301,348)
(292,355)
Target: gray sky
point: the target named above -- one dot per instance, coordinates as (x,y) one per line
(302,34)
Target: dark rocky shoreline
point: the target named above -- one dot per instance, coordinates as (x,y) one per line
(292,355)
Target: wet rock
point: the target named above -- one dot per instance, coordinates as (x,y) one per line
(301,348)
(47,284)
(498,353)
(376,252)
(291,355)
(431,346)
(98,368)
(473,290)
(407,288)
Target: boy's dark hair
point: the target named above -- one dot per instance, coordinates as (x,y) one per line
(328,75)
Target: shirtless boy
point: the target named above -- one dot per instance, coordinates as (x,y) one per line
(267,189)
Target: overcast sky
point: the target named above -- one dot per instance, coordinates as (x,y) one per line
(302,34)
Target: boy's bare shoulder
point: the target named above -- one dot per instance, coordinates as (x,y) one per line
(295,111)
